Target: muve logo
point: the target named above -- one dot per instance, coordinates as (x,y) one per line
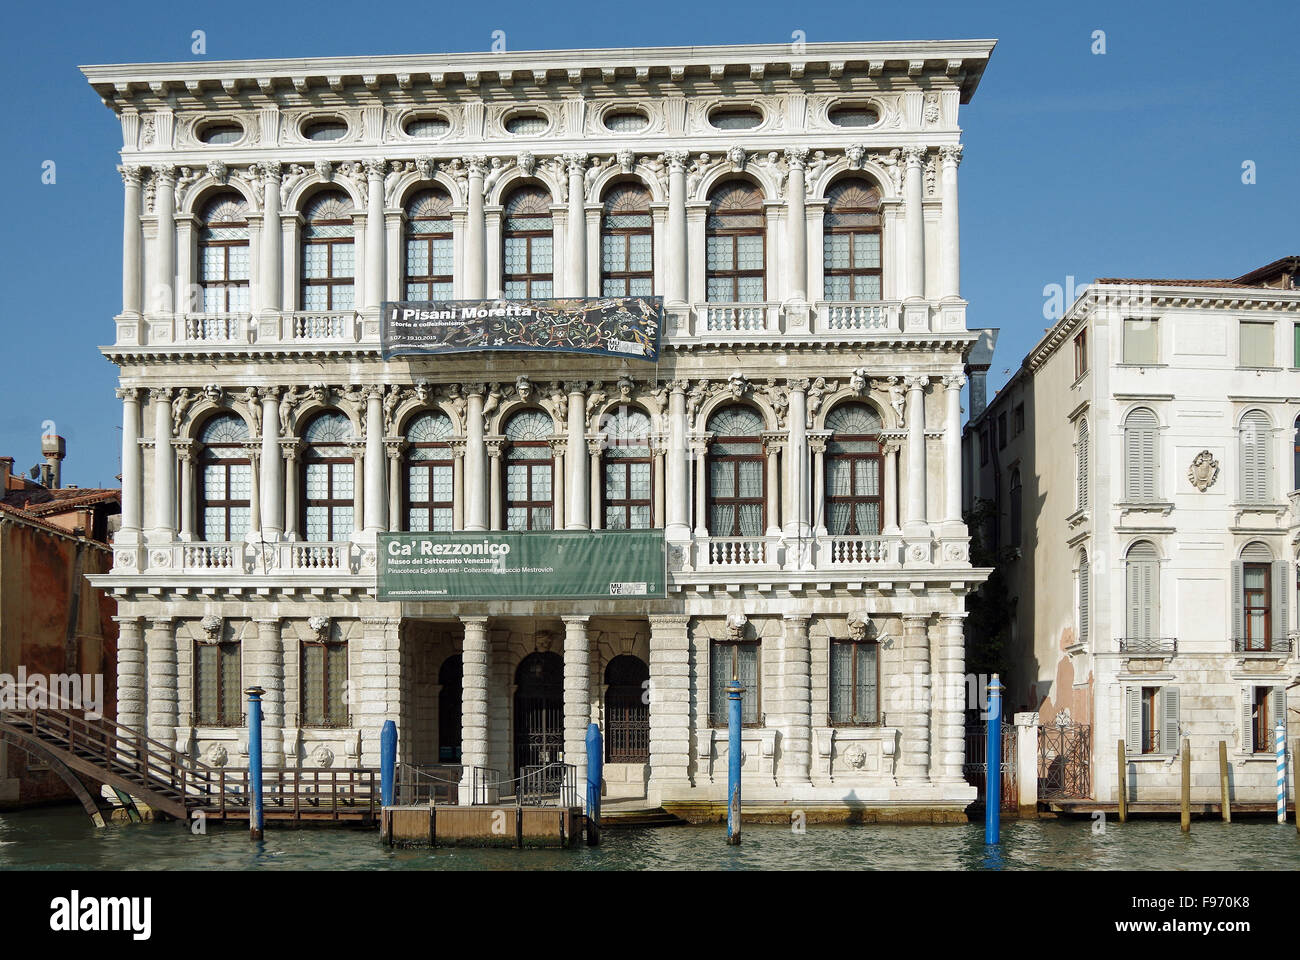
(75,913)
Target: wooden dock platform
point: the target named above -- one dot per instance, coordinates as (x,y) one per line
(485,825)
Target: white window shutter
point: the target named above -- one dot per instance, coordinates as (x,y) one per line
(1081,451)
(1256,458)
(1084,605)
(1247,729)
(1281,608)
(1277,708)
(1238,626)
(1168,709)
(1133,720)
(1140,439)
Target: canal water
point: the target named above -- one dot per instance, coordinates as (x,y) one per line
(63,838)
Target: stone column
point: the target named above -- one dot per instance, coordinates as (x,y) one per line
(376,499)
(949,750)
(132,240)
(952,449)
(773,443)
(700,448)
(458,484)
(796,459)
(160,647)
(675,274)
(914,520)
(358,450)
(796,227)
(577,697)
(914,757)
(559,482)
(579,499)
(595,481)
(132,515)
(496,519)
(657,453)
(268,672)
(475,241)
(892,447)
(670,707)
(131,676)
(394,449)
(375,239)
(949,249)
(575,254)
(473,703)
(817,444)
(186,459)
(796,690)
(162,298)
(914,223)
(271,249)
(255,491)
(475,451)
(289,452)
(164,467)
(272,474)
(677,503)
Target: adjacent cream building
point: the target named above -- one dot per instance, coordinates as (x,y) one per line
(1144,466)
(798,440)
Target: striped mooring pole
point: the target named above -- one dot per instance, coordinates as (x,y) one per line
(255,762)
(1280,731)
(734,692)
(993,765)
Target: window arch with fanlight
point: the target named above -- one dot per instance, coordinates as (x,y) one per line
(737,477)
(628,485)
(854,498)
(429,473)
(225,479)
(328,500)
(430,261)
(223,254)
(851,244)
(328,253)
(626,242)
(736,244)
(529,470)
(527,262)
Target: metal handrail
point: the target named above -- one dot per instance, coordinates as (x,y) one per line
(1262,645)
(1147,644)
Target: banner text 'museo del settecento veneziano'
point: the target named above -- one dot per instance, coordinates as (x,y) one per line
(501,565)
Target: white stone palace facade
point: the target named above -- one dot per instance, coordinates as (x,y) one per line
(798,440)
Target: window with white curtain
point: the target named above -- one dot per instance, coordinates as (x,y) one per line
(853,471)
(737,475)
(851,240)
(328,497)
(735,244)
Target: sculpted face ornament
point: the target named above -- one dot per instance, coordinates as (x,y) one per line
(211,625)
(1203,471)
(736,625)
(320,626)
(860,626)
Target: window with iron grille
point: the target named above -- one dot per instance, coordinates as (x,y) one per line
(627,710)
(429,257)
(223,254)
(735,244)
(527,245)
(626,242)
(739,659)
(217,686)
(328,253)
(854,683)
(324,684)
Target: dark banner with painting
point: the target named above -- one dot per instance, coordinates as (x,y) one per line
(625,327)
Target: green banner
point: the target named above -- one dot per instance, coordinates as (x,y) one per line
(533,565)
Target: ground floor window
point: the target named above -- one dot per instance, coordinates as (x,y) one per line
(855,683)
(734,659)
(217,685)
(1262,708)
(1151,721)
(324,685)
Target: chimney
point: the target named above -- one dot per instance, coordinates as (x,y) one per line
(977,365)
(6,470)
(54,450)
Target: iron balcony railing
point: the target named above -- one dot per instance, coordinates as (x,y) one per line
(1164,645)
(1261,645)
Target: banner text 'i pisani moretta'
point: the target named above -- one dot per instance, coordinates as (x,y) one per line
(623,327)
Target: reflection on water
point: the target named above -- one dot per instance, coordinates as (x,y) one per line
(64,838)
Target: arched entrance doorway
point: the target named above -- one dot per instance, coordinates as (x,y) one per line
(627,712)
(539,710)
(449,706)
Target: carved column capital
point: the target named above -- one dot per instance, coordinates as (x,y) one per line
(677,160)
(915,156)
(797,157)
(951,154)
(132,175)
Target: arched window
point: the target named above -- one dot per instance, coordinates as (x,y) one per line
(1015,507)
(736,250)
(429,473)
(627,715)
(1141,455)
(1260,598)
(450,681)
(851,241)
(328,496)
(1081,466)
(1083,591)
(737,480)
(526,262)
(626,242)
(223,254)
(1142,589)
(853,465)
(1255,437)
(429,259)
(226,483)
(529,504)
(328,253)
(627,467)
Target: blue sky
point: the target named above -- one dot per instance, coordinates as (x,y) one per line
(1123,164)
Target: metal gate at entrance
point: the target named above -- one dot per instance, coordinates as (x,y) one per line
(1064,760)
(975,769)
(539,711)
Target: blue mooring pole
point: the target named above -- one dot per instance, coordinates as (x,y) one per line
(993,766)
(387,761)
(734,692)
(255,762)
(595,771)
